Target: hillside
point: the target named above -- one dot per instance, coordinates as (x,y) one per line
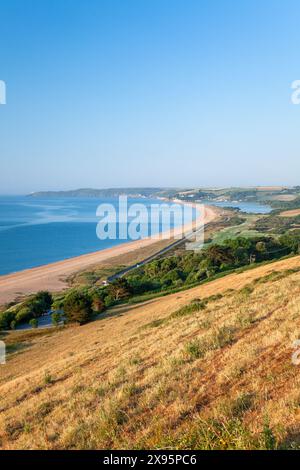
(99,193)
(206,368)
(277,196)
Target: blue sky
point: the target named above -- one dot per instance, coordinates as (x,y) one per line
(107,93)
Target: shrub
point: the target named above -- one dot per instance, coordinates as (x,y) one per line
(58,303)
(98,304)
(197,348)
(193,307)
(119,289)
(48,379)
(23,315)
(6,318)
(39,304)
(33,322)
(77,307)
(246,291)
(237,407)
(269,441)
(109,301)
(55,318)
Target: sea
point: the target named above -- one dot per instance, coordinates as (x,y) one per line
(37,231)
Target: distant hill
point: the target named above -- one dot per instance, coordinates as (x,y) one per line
(98,193)
(277,197)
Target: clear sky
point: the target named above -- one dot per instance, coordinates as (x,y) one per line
(109,93)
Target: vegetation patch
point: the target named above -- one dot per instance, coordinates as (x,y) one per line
(220,338)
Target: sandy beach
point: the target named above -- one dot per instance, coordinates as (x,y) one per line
(53,276)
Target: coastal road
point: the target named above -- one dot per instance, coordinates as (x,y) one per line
(125,271)
(53,277)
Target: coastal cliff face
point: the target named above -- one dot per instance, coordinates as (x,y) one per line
(213,367)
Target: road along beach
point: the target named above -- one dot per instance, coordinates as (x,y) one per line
(53,277)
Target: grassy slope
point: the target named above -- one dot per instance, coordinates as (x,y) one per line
(220,377)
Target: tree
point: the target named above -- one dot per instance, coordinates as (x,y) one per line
(44,298)
(5,319)
(219,255)
(33,322)
(119,289)
(168,264)
(40,303)
(241,256)
(109,301)
(55,318)
(58,303)
(77,307)
(23,315)
(97,303)
(291,241)
(260,246)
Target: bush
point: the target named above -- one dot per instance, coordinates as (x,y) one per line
(197,348)
(55,318)
(6,318)
(98,304)
(58,303)
(44,298)
(23,315)
(77,307)
(119,289)
(39,304)
(33,322)
(109,301)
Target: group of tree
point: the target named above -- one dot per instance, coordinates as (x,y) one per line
(28,311)
(77,305)
(81,304)
(187,269)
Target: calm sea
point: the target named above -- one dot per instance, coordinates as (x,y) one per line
(37,231)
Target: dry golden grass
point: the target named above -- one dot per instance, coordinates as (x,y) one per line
(149,376)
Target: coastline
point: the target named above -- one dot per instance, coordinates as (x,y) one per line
(53,276)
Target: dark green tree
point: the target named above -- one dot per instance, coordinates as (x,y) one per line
(78,307)
(55,318)
(33,322)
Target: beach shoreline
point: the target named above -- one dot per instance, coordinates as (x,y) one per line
(53,276)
